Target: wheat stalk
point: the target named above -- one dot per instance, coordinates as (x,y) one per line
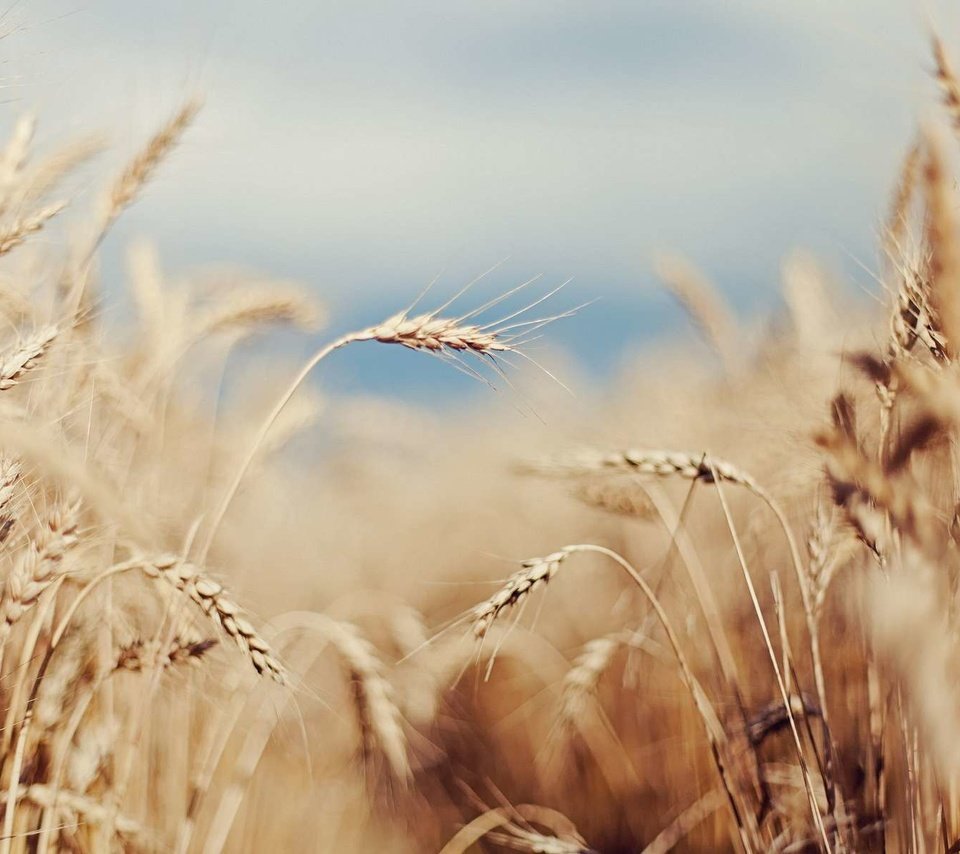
(430,332)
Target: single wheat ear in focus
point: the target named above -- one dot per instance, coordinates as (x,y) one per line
(449,336)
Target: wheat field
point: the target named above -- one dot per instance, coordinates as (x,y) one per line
(724,616)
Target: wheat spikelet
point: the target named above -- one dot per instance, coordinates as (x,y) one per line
(821,565)
(377,713)
(535,571)
(429,332)
(125,189)
(38,565)
(219,607)
(909,316)
(16,362)
(139,655)
(17,231)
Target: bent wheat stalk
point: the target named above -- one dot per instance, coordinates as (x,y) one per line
(540,570)
(430,333)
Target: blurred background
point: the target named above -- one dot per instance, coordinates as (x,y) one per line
(367,148)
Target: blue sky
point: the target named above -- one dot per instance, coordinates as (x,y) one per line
(365,147)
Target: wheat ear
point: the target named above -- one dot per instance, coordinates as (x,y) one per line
(38,566)
(377,713)
(129,183)
(219,607)
(25,356)
(689,466)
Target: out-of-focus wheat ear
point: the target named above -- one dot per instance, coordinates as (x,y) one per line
(702,302)
(220,608)
(90,752)
(947,78)
(582,679)
(944,270)
(128,184)
(25,356)
(74,809)
(13,234)
(47,172)
(378,716)
(10,470)
(912,633)
(805,295)
(860,483)
(249,309)
(621,497)
(14,155)
(898,217)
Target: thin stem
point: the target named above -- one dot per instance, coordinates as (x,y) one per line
(282,401)
(712,725)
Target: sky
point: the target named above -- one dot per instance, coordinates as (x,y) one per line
(366,148)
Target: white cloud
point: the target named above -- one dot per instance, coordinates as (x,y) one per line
(357,138)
